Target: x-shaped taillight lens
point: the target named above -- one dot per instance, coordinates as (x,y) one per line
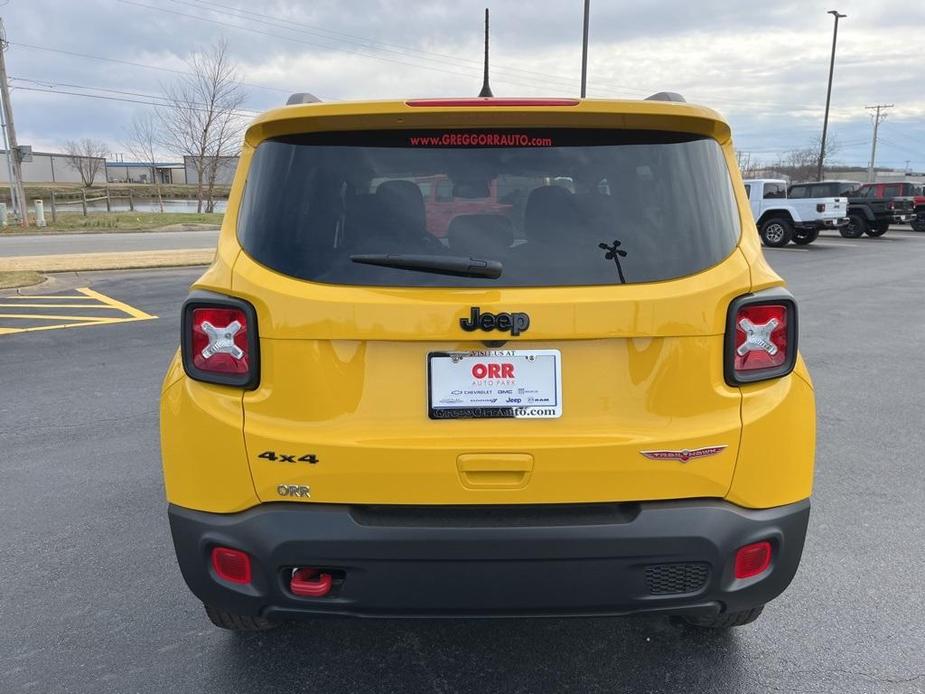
(219,340)
(761,337)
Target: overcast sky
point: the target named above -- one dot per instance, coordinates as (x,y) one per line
(763,65)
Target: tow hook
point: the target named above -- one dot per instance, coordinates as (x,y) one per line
(310,583)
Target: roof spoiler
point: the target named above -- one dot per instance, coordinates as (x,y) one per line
(302,98)
(667,96)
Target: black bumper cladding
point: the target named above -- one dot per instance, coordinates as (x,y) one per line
(593,559)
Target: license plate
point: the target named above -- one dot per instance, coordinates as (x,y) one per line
(521,383)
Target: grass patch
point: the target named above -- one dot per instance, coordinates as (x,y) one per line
(140,191)
(19,278)
(118,221)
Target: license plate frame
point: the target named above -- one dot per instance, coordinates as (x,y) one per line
(522,392)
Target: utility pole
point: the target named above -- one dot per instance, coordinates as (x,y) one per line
(17,192)
(828,94)
(880,116)
(584,51)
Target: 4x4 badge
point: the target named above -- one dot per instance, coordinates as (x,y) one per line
(516,323)
(685,455)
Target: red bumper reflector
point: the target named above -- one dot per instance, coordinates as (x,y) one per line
(753,559)
(231,565)
(491,101)
(310,583)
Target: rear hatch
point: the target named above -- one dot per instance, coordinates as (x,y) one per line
(565,344)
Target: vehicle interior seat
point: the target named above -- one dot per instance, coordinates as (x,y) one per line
(487,236)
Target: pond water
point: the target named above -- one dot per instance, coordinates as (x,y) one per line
(121,205)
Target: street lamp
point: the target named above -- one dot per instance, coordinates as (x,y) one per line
(828,94)
(584,50)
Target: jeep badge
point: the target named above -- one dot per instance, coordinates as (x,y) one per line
(515,323)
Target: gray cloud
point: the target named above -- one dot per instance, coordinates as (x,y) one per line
(763,65)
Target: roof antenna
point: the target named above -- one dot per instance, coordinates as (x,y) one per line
(486,90)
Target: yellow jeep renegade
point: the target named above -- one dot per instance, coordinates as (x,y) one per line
(488,357)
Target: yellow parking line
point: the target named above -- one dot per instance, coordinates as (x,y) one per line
(54,306)
(57,297)
(134,312)
(47,316)
(89,298)
(106,321)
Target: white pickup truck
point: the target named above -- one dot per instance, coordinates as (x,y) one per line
(781,220)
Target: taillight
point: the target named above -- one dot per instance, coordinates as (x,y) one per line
(761,337)
(219,340)
(891,205)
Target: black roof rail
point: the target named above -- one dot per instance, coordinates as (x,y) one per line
(667,96)
(302,98)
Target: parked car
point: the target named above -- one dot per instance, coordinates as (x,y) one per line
(596,407)
(446,199)
(902,189)
(781,220)
(867,213)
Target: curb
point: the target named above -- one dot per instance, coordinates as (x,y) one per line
(84,262)
(80,232)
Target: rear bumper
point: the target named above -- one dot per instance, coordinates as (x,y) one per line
(596,559)
(820,224)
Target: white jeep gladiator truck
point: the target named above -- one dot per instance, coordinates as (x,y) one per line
(781,220)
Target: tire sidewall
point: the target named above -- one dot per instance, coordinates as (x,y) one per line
(856,227)
(776,232)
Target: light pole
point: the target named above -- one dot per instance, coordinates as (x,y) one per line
(828,94)
(584,50)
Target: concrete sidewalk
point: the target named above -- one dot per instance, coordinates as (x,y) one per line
(77,262)
(112,242)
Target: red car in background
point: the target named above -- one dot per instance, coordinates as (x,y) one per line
(445,199)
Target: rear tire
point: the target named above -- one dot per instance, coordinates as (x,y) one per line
(918,226)
(855,228)
(804,238)
(238,622)
(726,620)
(776,232)
(879,229)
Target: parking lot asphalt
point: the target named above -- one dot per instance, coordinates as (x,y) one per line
(91,599)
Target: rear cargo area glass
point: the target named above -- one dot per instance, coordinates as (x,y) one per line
(554,207)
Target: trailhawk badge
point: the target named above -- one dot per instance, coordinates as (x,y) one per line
(685,455)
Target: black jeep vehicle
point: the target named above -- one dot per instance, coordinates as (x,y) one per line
(867,213)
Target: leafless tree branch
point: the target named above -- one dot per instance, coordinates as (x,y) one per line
(142,143)
(87,157)
(202,118)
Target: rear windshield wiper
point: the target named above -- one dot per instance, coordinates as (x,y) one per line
(457,265)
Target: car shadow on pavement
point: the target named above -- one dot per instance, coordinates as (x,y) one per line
(509,655)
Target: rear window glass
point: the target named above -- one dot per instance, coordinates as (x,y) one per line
(554,208)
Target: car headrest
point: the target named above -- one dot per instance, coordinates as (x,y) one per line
(549,211)
(480,235)
(402,204)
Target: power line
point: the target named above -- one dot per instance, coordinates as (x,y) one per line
(128,62)
(107,98)
(506,80)
(164,99)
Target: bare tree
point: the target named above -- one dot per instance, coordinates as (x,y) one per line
(202,117)
(87,157)
(802,164)
(142,142)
